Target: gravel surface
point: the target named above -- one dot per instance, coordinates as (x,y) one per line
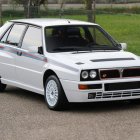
(25,116)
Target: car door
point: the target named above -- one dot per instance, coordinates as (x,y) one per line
(30,60)
(8,50)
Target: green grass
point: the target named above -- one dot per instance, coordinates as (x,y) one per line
(123,27)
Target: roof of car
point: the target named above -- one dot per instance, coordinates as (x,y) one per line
(52,22)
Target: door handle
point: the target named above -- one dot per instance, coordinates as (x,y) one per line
(19,53)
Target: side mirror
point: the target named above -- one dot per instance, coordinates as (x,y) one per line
(123,46)
(40,50)
(33,49)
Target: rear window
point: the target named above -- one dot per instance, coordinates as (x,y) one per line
(15,34)
(4,28)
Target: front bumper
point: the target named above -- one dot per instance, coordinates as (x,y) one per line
(74,94)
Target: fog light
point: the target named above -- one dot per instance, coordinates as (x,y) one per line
(91,95)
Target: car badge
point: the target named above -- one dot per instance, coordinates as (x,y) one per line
(104,75)
(121,72)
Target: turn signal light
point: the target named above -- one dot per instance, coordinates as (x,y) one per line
(92,86)
(83,87)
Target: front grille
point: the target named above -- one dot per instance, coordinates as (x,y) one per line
(131,72)
(122,86)
(119,73)
(105,74)
(106,95)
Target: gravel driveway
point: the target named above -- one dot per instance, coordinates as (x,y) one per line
(24,116)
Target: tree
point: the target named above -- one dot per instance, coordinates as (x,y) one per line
(62,3)
(89,10)
(31,7)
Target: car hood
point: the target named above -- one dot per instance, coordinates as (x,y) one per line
(90,60)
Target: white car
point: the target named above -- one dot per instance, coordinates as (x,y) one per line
(67,61)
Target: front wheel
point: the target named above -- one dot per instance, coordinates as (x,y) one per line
(54,94)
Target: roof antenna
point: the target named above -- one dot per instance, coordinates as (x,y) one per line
(68,21)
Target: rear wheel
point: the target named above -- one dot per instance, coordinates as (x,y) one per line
(2,87)
(54,94)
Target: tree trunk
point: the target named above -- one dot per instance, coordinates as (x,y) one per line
(89,10)
(25,5)
(32,8)
(62,2)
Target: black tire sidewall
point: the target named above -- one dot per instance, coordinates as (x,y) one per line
(2,87)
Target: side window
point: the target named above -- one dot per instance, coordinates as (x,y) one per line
(15,34)
(4,28)
(4,38)
(82,32)
(32,40)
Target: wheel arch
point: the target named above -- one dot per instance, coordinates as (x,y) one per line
(48,73)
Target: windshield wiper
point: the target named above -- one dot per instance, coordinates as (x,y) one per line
(72,48)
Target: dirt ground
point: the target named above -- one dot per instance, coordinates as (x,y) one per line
(25,116)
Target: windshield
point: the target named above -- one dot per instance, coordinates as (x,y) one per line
(78,38)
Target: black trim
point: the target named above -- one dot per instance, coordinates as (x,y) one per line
(131,72)
(122,86)
(95,86)
(112,59)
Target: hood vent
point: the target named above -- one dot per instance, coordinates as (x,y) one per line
(112,59)
(79,63)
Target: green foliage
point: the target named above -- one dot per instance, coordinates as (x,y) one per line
(11,14)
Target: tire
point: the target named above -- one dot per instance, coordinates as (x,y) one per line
(135,101)
(2,87)
(54,94)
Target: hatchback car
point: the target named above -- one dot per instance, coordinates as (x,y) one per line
(67,61)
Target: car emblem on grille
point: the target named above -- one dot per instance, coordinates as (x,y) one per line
(104,75)
(121,72)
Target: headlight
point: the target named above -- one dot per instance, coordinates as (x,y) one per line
(85,74)
(93,74)
(89,75)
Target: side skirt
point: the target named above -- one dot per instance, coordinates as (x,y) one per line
(23,86)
